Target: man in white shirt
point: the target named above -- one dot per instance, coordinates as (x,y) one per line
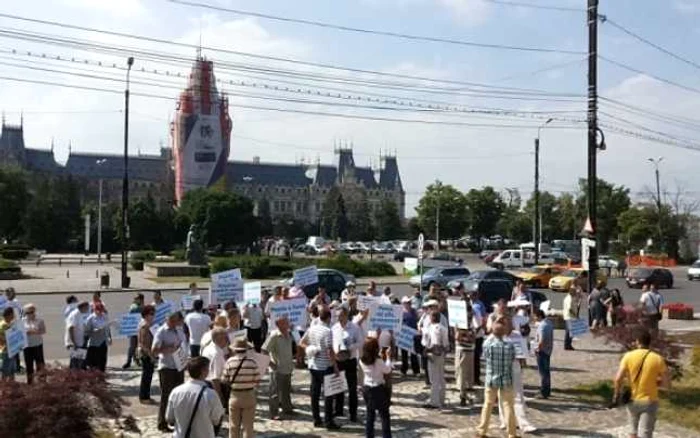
(436,345)
(198,323)
(252,320)
(423,323)
(347,341)
(75,333)
(193,408)
(571,311)
(216,353)
(651,301)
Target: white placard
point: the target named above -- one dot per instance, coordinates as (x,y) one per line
(306,276)
(405,338)
(238,334)
(78,353)
(457,314)
(252,292)
(180,357)
(545,305)
(226,286)
(386,317)
(333,384)
(365,302)
(187,301)
(295,310)
(262,360)
(410,264)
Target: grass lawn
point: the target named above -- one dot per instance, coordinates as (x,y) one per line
(199,280)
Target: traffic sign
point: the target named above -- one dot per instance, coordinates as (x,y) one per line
(421,243)
(586,245)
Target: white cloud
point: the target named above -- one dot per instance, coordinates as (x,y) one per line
(687,6)
(119,9)
(470,12)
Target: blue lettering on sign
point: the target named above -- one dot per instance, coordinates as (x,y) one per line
(129,324)
(405,338)
(577,327)
(162,311)
(15,341)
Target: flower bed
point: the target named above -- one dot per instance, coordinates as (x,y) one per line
(677,311)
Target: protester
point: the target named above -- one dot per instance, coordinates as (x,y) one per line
(386,296)
(596,308)
(351,305)
(279,347)
(219,321)
(235,322)
(614,305)
(198,323)
(645,371)
(436,345)
(500,310)
(193,408)
(216,352)
(8,364)
(242,376)
(348,292)
(652,302)
(277,296)
(253,318)
(75,334)
(480,323)
(410,319)
(498,383)
(372,289)
(464,358)
(544,345)
(13,302)
(34,351)
(157,298)
(166,342)
(317,342)
(375,393)
(99,337)
(571,311)
(521,351)
(145,353)
(321,299)
(135,307)
(417,299)
(347,341)
(71,304)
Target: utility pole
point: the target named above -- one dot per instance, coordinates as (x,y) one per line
(125,182)
(592,136)
(537,220)
(99,215)
(656,163)
(437,216)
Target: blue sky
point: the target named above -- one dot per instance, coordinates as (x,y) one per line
(91,121)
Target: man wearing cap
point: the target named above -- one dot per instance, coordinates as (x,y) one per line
(167,340)
(347,341)
(75,333)
(348,292)
(410,319)
(428,307)
(279,347)
(242,376)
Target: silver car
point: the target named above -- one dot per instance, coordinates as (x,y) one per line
(440,275)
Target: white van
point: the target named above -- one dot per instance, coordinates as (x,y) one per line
(517,258)
(544,247)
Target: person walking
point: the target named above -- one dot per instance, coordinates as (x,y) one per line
(279,347)
(645,371)
(135,307)
(652,302)
(145,353)
(167,341)
(198,323)
(614,305)
(544,345)
(242,376)
(498,383)
(217,351)
(8,365)
(374,368)
(571,311)
(75,335)
(520,346)
(252,320)
(596,308)
(436,344)
(318,344)
(99,337)
(480,320)
(34,351)
(464,358)
(410,319)
(193,408)
(347,341)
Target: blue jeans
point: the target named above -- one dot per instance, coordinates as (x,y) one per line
(545,378)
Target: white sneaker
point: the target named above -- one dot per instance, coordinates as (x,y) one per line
(529,429)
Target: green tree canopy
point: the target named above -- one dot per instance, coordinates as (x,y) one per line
(612,201)
(14,199)
(388,221)
(453,211)
(334,215)
(484,209)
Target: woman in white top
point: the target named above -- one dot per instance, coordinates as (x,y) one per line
(521,352)
(376,395)
(437,344)
(34,352)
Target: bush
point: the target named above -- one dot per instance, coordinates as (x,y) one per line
(9,270)
(254,266)
(64,405)
(139,258)
(370,268)
(14,254)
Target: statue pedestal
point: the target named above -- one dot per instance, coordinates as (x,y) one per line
(174,270)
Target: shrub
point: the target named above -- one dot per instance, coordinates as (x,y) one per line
(64,405)
(178,254)
(254,266)
(370,268)
(14,254)
(9,269)
(139,258)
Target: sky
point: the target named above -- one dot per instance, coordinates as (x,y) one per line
(455,152)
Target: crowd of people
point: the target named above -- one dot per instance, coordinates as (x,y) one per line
(218,347)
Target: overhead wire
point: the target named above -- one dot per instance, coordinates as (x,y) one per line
(535,6)
(651,75)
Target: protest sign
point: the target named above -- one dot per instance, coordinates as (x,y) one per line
(238,334)
(545,305)
(405,338)
(262,360)
(410,265)
(226,286)
(305,276)
(162,311)
(577,327)
(457,314)
(252,292)
(367,302)
(294,310)
(187,301)
(15,340)
(333,384)
(386,317)
(180,358)
(129,324)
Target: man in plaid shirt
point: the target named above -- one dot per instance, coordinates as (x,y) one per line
(499,356)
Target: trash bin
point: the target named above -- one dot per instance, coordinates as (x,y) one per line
(104,279)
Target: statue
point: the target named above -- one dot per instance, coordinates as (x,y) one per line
(195,252)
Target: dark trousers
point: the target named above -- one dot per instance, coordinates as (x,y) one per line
(194,350)
(33,356)
(255,337)
(97,357)
(350,368)
(567,339)
(423,361)
(478,349)
(133,342)
(169,379)
(147,368)
(377,400)
(545,377)
(415,365)
(77,364)
(316,386)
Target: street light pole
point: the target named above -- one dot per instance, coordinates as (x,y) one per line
(99,216)
(656,163)
(437,216)
(125,182)
(537,229)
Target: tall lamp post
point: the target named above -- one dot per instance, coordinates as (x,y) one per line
(536,231)
(656,162)
(438,183)
(99,216)
(125,182)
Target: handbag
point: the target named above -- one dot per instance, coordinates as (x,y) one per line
(626,396)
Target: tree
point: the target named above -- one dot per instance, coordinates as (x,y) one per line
(388,222)
(453,212)
(265,226)
(413,229)
(569,220)
(334,215)
(360,224)
(612,201)
(514,223)
(484,209)
(549,216)
(14,199)
(143,224)
(54,221)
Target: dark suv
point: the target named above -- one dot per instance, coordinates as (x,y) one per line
(639,277)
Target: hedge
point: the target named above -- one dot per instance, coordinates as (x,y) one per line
(9,269)
(139,258)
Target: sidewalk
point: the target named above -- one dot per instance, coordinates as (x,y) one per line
(562,415)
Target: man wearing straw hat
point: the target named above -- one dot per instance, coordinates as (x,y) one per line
(242,375)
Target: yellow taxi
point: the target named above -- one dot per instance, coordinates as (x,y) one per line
(539,276)
(574,276)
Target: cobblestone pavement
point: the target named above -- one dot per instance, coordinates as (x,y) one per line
(559,416)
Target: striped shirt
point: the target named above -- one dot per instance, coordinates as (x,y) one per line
(499,356)
(320,336)
(247,377)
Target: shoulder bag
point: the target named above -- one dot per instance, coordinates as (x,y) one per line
(659,316)
(194,411)
(626,396)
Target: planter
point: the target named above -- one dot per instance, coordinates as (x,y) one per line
(685,314)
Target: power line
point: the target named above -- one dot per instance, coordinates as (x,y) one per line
(658,78)
(542,70)
(535,6)
(681,121)
(372,31)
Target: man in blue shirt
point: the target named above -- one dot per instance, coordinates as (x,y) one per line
(480,315)
(410,319)
(544,343)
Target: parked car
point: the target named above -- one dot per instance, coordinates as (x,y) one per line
(472,281)
(332,279)
(518,258)
(401,256)
(638,277)
(492,291)
(539,276)
(605,261)
(694,271)
(487,252)
(443,256)
(440,275)
(574,276)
